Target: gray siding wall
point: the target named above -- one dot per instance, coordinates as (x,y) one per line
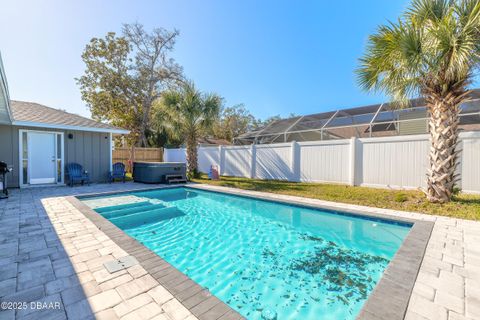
(9,152)
(90,149)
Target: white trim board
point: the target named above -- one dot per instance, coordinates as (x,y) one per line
(42,181)
(67,127)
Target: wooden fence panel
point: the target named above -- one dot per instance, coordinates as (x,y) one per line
(140,154)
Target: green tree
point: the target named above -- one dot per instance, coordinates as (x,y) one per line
(232,122)
(258,123)
(125,75)
(187,114)
(432,51)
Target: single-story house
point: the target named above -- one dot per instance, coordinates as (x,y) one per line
(38,142)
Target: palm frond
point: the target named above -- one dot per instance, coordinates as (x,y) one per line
(435,43)
(393,61)
(428,11)
(186,112)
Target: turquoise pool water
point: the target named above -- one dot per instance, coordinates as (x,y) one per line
(260,256)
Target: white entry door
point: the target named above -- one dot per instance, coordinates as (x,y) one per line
(41,157)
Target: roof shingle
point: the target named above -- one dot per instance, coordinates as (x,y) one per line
(37,113)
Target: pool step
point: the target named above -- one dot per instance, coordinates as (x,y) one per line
(169,195)
(122,206)
(177,181)
(146,217)
(128,211)
(175,178)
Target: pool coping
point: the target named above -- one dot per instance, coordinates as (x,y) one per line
(388,300)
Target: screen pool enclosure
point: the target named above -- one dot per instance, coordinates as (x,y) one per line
(379,120)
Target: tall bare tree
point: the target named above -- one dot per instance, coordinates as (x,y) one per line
(432,51)
(125,74)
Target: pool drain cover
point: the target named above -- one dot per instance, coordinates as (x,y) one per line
(120,264)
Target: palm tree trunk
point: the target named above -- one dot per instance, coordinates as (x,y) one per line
(443,156)
(192,156)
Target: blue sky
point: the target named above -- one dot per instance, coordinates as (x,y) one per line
(276,57)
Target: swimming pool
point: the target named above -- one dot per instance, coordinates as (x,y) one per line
(260,256)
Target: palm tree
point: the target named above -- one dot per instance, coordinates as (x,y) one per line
(432,51)
(187,114)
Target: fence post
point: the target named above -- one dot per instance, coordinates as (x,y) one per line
(132,158)
(253,161)
(353,155)
(295,161)
(165,154)
(221,160)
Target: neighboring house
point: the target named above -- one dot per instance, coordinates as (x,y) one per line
(38,142)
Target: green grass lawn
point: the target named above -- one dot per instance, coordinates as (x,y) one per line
(462,206)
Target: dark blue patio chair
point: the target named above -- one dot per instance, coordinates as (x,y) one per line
(77,174)
(118,172)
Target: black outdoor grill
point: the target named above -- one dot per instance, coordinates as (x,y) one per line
(3,174)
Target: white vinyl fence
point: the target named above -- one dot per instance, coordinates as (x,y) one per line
(387,162)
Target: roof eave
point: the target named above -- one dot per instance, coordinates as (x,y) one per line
(4,85)
(67,127)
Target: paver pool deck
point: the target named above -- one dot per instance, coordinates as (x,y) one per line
(51,252)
